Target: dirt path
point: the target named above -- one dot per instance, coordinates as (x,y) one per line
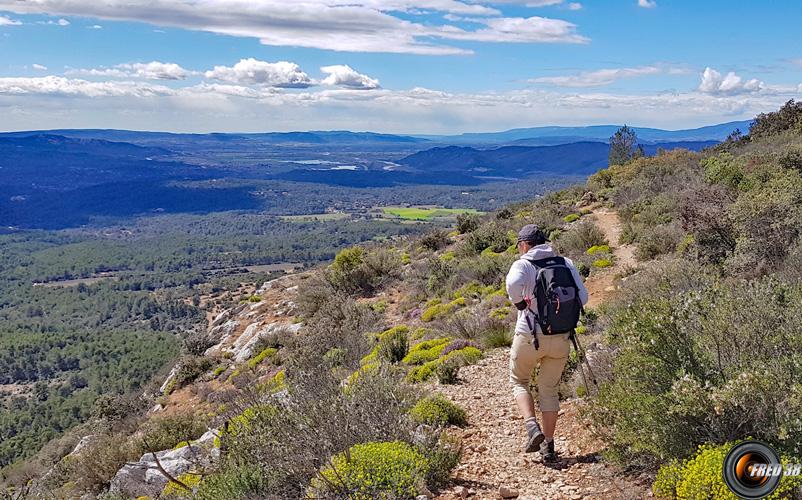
(493,458)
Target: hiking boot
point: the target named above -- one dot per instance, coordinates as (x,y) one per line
(547,451)
(534,437)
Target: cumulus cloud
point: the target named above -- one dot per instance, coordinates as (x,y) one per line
(600,77)
(647,4)
(7,21)
(39,67)
(282,74)
(731,84)
(154,70)
(346,76)
(341,25)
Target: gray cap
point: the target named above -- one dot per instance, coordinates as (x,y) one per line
(531,233)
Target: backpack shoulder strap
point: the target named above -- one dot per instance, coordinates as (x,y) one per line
(547,262)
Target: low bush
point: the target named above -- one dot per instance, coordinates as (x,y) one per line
(448,372)
(394,344)
(373,470)
(494,236)
(467,223)
(357,271)
(598,249)
(439,310)
(233,482)
(435,240)
(575,241)
(438,410)
(602,263)
(164,433)
(571,218)
(700,477)
(426,351)
(266,353)
(723,358)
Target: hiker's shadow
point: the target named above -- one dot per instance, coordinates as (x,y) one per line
(566,462)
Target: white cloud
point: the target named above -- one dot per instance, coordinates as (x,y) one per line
(39,67)
(55,102)
(518,29)
(601,77)
(61,86)
(154,70)
(647,4)
(731,84)
(340,25)
(63,22)
(95,27)
(346,76)
(252,71)
(7,21)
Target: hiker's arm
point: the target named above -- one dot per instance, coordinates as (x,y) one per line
(516,281)
(583,292)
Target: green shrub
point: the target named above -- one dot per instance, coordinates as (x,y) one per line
(355,270)
(219,371)
(716,369)
(723,169)
(257,360)
(423,372)
(163,433)
(177,491)
(435,240)
(492,235)
(448,373)
(233,482)
(467,222)
(461,357)
(498,337)
(700,477)
(439,310)
(448,256)
(438,410)
(334,357)
(601,263)
(597,249)
(374,470)
(425,351)
(394,344)
(575,241)
(571,218)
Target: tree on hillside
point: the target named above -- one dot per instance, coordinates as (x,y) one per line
(624,146)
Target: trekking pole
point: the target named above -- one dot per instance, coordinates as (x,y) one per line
(582,358)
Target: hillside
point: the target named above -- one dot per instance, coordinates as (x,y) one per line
(325,383)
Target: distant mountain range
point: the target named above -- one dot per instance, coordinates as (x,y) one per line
(564,135)
(63,178)
(536,136)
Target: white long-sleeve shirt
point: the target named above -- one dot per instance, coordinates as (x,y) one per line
(521,280)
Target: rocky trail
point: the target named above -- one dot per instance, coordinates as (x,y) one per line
(493,463)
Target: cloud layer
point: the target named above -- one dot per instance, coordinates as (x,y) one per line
(341,25)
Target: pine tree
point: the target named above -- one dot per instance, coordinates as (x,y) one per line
(624,146)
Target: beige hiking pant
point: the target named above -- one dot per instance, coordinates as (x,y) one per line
(551,358)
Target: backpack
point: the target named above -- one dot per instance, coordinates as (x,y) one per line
(557,296)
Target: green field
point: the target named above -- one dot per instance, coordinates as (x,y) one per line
(418,213)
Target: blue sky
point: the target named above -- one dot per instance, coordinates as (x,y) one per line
(403,66)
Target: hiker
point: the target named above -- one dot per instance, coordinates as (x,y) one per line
(530,346)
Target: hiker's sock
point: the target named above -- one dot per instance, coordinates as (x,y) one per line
(549,440)
(532,426)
